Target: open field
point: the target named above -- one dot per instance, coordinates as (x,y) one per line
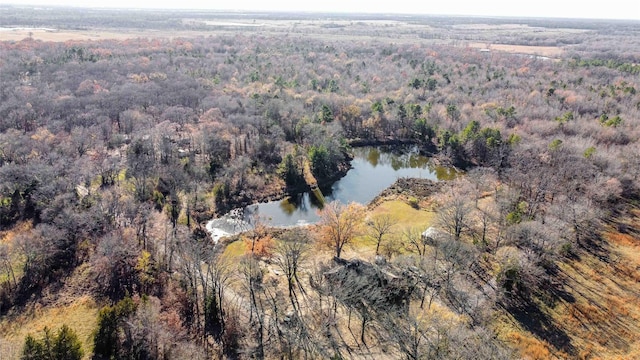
(91,35)
(480,34)
(107,34)
(404,215)
(547,51)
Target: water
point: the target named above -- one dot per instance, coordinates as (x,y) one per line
(373,170)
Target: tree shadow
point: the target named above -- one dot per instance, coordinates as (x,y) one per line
(596,246)
(554,291)
(532,319)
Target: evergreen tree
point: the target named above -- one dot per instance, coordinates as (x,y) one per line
(33,349)
(105,339)
(289,171)
(64,345)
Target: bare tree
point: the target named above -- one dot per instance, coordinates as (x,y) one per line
(484,220)
(482,180)
(5,262)
(216,276)
(453,257)
(378,228)
(425,273)
(453,214)
(410,334)
(414,240)
(252,276)
(291,253)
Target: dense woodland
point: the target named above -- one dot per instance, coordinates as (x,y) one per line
(115,153)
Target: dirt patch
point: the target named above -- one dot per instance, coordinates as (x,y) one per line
(407,188)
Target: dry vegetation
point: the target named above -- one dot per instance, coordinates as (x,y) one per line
(80,315)
(548,51)
(122,134)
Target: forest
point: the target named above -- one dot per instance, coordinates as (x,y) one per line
(116,151)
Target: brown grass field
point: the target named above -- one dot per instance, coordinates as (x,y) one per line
(548,51)
(398,32)
(91,35)
(603,318)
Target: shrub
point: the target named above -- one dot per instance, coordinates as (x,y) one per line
(413,202)
(588,153)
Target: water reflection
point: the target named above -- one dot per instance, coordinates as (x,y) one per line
(443,172)
(373,170)
(407,159)
(373,156)
(288,206)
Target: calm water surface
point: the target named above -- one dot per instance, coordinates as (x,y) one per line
(373,170)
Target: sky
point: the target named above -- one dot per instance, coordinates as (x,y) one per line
(600,9)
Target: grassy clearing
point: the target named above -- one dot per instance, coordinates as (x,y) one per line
(235,249)
(80,315)
(549,51)
(404,215)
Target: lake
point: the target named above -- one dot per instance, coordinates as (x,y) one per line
(373,169)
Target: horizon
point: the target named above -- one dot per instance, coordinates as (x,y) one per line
(616,9)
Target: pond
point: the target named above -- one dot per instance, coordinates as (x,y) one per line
(373,169)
